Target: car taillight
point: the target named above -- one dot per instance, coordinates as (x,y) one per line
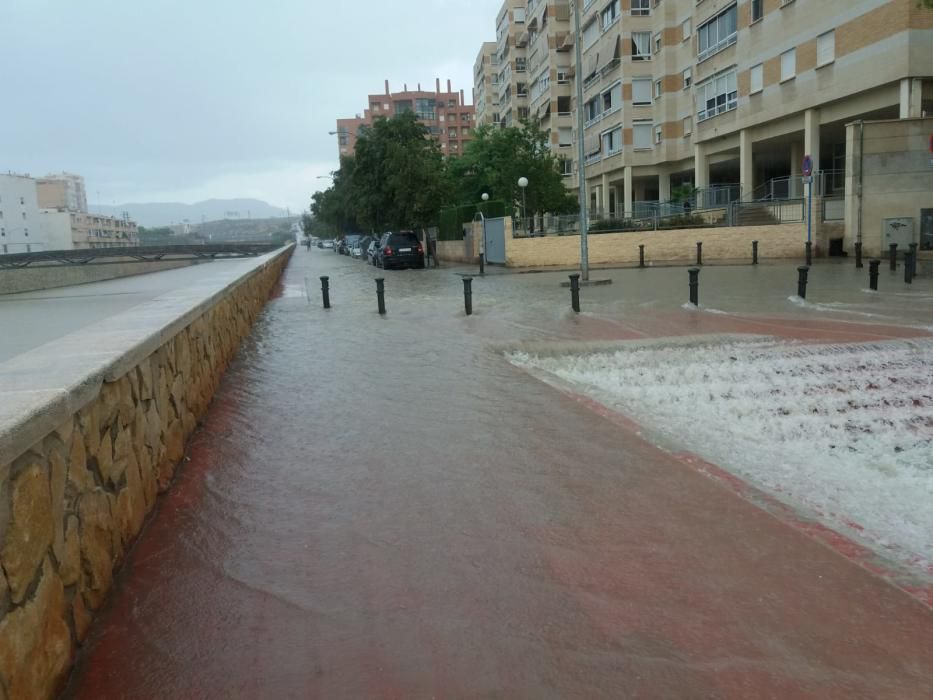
(388,250)
(420,249)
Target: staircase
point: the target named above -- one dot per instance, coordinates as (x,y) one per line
(753,214)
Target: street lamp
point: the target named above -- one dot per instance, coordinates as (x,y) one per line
(482,245)
(523,183)
(581,150)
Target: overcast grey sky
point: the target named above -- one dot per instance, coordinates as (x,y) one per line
(183,100)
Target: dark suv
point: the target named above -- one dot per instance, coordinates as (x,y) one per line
(402,249)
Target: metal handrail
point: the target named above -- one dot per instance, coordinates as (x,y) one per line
(97,256)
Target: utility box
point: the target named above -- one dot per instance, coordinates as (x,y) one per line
(899,230)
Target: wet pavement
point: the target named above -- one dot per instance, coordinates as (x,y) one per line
(387,507)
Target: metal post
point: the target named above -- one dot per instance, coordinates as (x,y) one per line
(858,254)
(913,257)
(809,252)
(754,252)
(482,248)
(694,273)
(802,273)
(468,295)
(699,252)
(381,294)
(873,266)
(575,293)
(325,290)
(809,209)
(909,267)
(893,256)
(641,255)
(581,150)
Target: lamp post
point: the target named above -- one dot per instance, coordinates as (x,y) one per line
(523,183)
(581,151)
(482,244)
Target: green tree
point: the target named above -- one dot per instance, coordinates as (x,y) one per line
(335,206)
(496,158)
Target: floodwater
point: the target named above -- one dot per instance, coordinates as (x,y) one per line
(387,507)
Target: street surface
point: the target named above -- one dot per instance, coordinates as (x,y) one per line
(389,507)
(42,316)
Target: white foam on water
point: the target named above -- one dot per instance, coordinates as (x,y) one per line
(841,432)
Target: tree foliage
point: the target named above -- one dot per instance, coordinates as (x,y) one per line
(496,158)
(395,181)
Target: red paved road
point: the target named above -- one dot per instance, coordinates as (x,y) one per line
(389,509)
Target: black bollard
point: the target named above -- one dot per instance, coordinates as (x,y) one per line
(913,258)
(641,255)
(909,267)
(809,252)
(754,252)
(858,255)
(802,273)
(325,290)
(468,295)
(482,263)
(893,256)
(575,293)
(694,273)
(699,252)
(381,294)
(873,266)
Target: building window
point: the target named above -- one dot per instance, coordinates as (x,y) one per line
(612,99)
(590,34)
(686,27)
(658,87)
(641,135)
(610,14)
(826,48)
(717,34)
(520,64)
(26,231)
(564,136)
(641,7)
(788,64)
(563,76)
(612,141)
(657,42)
(688,77)
(658,134)
(518,15)
(563,105)
(22,200)
(688,126)
(591,110)
(566,166)
(641,91)
(641,46)
(758,10)
(756,78)
(716,95)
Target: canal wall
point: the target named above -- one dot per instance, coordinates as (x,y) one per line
(92,428)
(31,279)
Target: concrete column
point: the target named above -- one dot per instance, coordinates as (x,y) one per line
(700,167)
(664,185)
(628,187)
(617,193)
(746,161)
(796,160)
(911,98)
(604,189)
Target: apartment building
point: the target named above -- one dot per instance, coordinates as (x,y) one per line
(69,230)
(729,95)
(62,191)
(20,230)
(511,54)
(549,61)
(486,84)
(445,114)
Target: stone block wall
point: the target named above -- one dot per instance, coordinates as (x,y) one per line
(72,503)
(678,246)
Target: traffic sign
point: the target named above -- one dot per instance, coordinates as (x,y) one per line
(807,166)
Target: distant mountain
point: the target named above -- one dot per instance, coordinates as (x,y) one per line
(151,214)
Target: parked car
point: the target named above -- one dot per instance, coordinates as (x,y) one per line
(328,244)
(347,242)
(372,250)
(356,251)
(399,249)
(359,251)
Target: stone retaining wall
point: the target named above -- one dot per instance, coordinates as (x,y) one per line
(73,499)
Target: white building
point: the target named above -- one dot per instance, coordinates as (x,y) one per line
(20,228)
